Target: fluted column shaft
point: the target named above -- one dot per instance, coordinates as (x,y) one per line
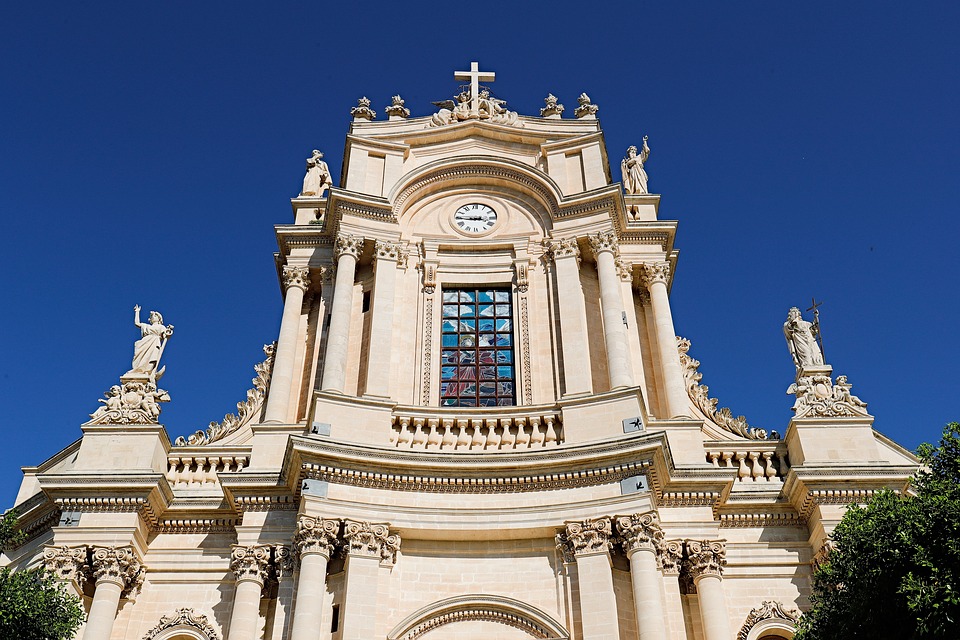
(315,539)
(619,367)
(338,334)
(295,280)
(672,375)
(381,325)
(103,610)
(251,566)
(574,345)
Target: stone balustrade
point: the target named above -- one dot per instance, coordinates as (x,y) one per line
(756,462)
(504,429)
(194,471)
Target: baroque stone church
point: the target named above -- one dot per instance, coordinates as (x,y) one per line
(477,421)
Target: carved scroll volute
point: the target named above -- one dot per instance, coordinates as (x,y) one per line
(640,531)
(671,557)
(119,565)
(251,562)
(316,535)
(67,563)
(589,536)
(706,558)
(372,540)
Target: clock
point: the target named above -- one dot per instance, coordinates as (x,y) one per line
(475,218)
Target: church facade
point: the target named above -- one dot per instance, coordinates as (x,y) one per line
(477,421)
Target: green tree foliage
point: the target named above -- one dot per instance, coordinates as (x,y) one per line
(895,569)
(33,603)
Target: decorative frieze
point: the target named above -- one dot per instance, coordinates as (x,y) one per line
(604,241)
(371,539)
(640,531)
(346,243)
(705,558)
(298,277)
(589,536)
(184,619)
(316,535)
(654,273)
(769,610)
(67,563)
(251,562)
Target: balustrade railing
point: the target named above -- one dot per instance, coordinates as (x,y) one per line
(186,471)
(753,463)
(488,431)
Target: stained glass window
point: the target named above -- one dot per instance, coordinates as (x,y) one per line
(476,340)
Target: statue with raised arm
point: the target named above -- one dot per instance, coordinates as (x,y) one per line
(631,167)
(802,340)
(317,179)
(148,349)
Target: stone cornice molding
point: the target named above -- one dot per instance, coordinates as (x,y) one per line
(640,532)
(102,492)
(588,537)
(653,273)
(70,564)
(298,277)
(769,610)
(316,535)
(119,565)
(182,620)
(371,539)
(349,245)
(251,562)
(604,241)
(705,558)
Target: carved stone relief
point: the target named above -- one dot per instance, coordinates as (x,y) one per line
(185,618)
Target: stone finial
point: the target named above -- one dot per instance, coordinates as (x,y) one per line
(632,171)
(251,562)
(363,111)
(655,272)
(553,108)
(67,563)
(587,110)
(298,277)
(604,241)
(396,110)
(371,539)
(119,565)
(671,557)
(317,179)
(349,244)
(706,558)
(316,535)
(640,531)
(589,536)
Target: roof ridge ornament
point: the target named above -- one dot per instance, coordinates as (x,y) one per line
(474,104)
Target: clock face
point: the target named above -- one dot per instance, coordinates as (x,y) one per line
(475,218)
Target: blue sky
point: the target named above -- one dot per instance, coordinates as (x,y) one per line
(807,149)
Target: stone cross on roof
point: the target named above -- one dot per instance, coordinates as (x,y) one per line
(475,76)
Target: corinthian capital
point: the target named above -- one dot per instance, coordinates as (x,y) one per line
(387,250)
(604,241)
(296,277)
(655,272)
(366,539)
(563,248)
(589,536)
(316,535)
(352,245)
(706,558)
(284,561)
(640,531)
(67,563)
(119,565)
(251,563)
(671,557)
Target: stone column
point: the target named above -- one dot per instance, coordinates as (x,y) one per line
(347,252)
(315,540)
(671,560)
(386,256)
(655,277)
(367,545)
(642,540)
(251,565)
(574,347)
(295,283)
(284,564)
(115,570)
(705,560)
(590,542)
(619,366)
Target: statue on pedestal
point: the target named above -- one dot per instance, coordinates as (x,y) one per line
(317,179)
(148,349)
(631,167)
(802,340)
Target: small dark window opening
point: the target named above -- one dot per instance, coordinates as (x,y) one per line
(335,623)
(366,301)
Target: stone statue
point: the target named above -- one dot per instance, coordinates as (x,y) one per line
(802,340)
(634,177)
(148,349)
(317,179)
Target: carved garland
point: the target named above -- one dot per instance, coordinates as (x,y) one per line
(184,619)
(723,418)
(770,610)
(246,410)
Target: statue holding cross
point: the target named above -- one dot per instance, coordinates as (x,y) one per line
(475,104)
